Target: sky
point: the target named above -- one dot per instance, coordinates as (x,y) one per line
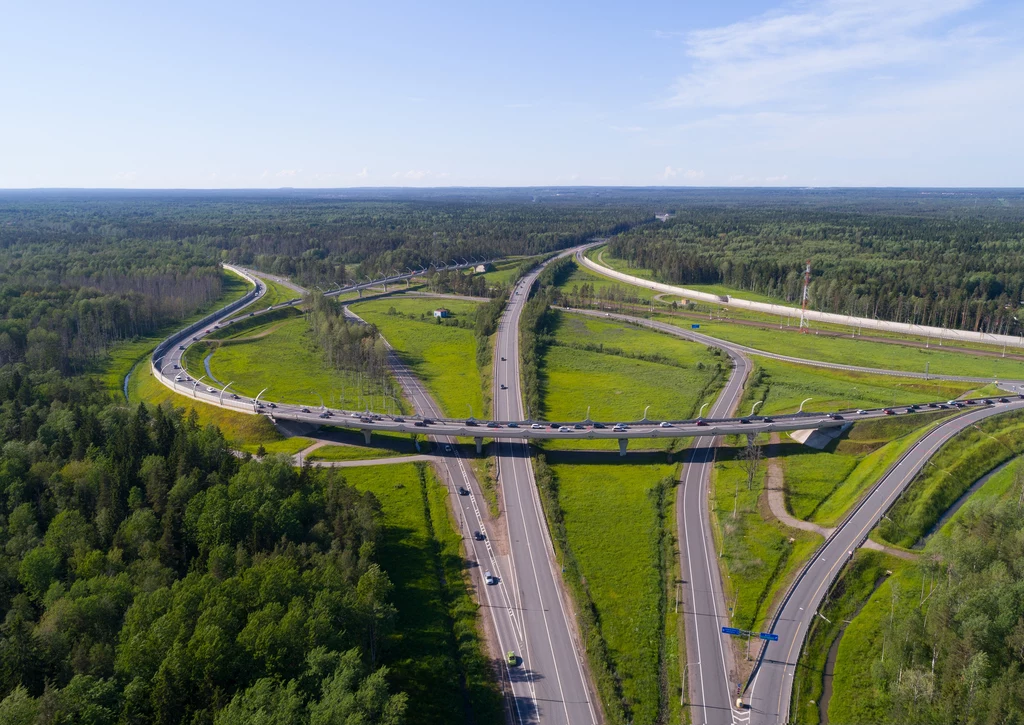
(677,93)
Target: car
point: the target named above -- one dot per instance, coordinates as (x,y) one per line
(912,406)
(536,426)
(564,429)
(986,401)
(492,424)
(366,420)
(490,578)
(745,421)
(177,378)
(766,419)
(420,424)
(952,402)
(355,415)
(1004,400)
(195,338)
(958,405)
(504,387)
(511,656)
(513,425)
(553,426)
(251,314)
(428,421)
(619,428)
(463,491)
(503,359)
(216,327)
(177,367)
(861,411)
(181,347)
(1020,395)
(328,413)
(478,536)
(600,426)
(835,416)
(889,411)
(471,423)
(398,420)
(273,405)
(305,410)
(579,426)
(235,396)
(209,389)
(448,449)
(323,415)
(942,405)
(664,424)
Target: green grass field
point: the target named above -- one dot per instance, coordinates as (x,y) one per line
(757,556)
(861,353)
(783,386)
(298,374)
(358,453)
(435,653)
(124,356)
(821,486)
(614,531)
(504,272)
(276,294)
(442,357)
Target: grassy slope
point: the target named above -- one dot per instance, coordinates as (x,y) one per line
(436,639)
(444,358)
(822,485)
(124,356)
(352,453)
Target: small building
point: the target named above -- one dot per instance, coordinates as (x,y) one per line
(481,268)
(442,312)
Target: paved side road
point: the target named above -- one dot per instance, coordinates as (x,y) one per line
(770,687)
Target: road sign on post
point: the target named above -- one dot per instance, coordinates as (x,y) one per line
(731,630)
(769,636)
(694,327)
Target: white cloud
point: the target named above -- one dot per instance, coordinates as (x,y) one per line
(363,174)
(688,174)
(788,54)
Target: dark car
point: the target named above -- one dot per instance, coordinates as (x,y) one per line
(364,419)
(553,426)
(503,359)
(933,405)
(420,424)
(744,421)
(513,425)
(235,396)
(428,421)
(579,426)
(463,491)
(986,401)
(504,387)
(492,424)
(324,415)
(912,406)
(305,410)
(181,347)
(478,536)
(701,422)
(835,416)
(766,419)
(600,426)
(889,411)
(1004,400)
(471,422)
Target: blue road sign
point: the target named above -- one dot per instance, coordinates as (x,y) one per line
(694,327)
(770,637)
(731,630)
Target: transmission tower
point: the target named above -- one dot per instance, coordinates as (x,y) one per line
(804,326)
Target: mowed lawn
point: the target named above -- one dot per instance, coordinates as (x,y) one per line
(422,653)
(443,357)
(287,363)
(613,527)
(862,353)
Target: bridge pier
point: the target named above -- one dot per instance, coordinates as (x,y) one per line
(366,435)
(622,446)
(416,442)
(479,445)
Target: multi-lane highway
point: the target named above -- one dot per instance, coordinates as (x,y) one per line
(553,663)
(771,684)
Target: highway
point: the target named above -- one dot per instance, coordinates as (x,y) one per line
(770,687)
(711,678)
(941,333)
(553,662)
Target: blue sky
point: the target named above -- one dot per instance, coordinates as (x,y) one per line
(335,94)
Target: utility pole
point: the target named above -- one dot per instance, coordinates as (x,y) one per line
(804,326)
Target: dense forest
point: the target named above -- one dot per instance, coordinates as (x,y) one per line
(956,266)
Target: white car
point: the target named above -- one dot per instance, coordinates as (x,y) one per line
(210,389)
(536,426)
(619,428)
(665,424)
(177,378)
(861,411)
(564,429)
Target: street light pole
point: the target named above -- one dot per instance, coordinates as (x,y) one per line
(195,386)
(224,390)
(806,400)
(645,411)
(701,413)
(754,406)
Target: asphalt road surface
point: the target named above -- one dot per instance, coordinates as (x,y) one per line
(771,686)
(558,688)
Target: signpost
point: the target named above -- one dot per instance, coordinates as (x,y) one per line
(770,637)
(732,631)
(694,327)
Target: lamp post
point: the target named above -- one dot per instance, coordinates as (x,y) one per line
(224,390)
(701,413)
(256,400)
(806,400)
(754,407)
(645,412)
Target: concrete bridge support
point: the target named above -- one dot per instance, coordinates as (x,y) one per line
(479,445)
(366,435)
(622,446)
(416,442)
